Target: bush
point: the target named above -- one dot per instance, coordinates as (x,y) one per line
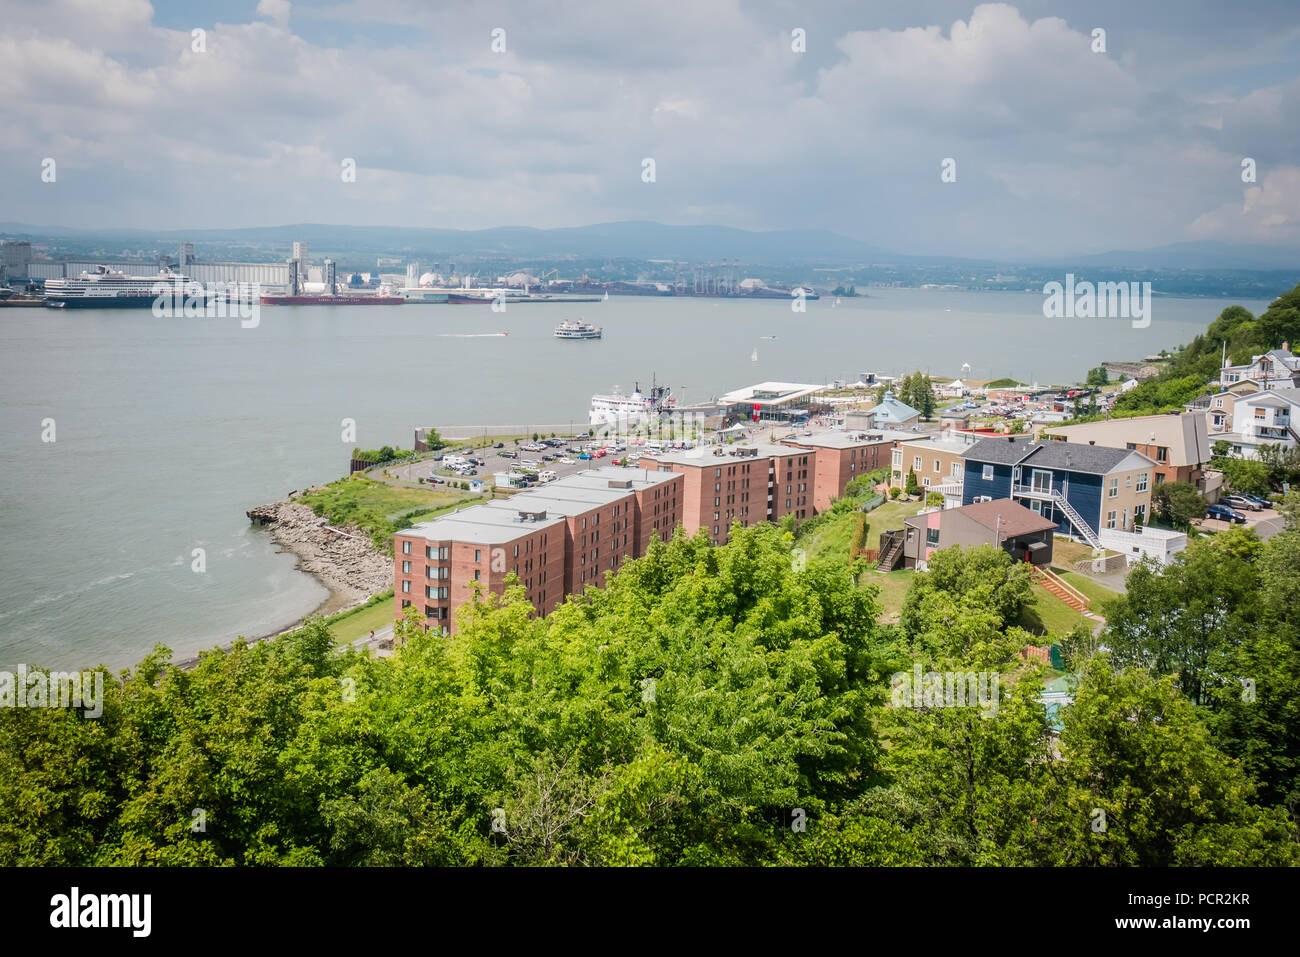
(894,493)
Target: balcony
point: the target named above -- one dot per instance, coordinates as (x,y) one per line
(1041,492)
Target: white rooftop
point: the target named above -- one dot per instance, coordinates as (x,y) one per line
(781,393)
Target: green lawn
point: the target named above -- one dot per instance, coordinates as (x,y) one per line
(1083,583)
(893,589)
(1047,614)
(359,622)
(1066,552)
(379,508)
(832,539)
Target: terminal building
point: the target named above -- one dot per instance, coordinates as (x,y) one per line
(772,401)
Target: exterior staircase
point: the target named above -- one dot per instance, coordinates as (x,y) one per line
(890,554)
(1076,520)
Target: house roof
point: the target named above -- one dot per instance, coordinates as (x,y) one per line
(1004,516)
(1068,456)
(1185,435)
(890,409)
(1274,397)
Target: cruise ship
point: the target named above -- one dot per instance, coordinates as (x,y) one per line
(106,289)
(615,407)
(577,330)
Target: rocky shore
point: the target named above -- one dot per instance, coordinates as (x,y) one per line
(344,560)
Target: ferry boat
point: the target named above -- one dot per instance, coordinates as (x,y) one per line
(615,407)
(106,289)
(577,330)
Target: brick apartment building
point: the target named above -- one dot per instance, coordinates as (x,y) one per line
(744,483)
(571,533)
(558,539)
(840,457)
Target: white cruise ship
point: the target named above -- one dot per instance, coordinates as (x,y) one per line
(106,289)
(616,407)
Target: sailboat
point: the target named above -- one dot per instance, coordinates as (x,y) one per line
(606,299)
(754,356)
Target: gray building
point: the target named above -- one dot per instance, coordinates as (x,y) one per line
(1020,532)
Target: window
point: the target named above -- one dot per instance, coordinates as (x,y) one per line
(1259,414)
(916,464)
(1143,478)
(1110,519)
(937,467)
(478,554)
(1114,489)
(988,473)
(406,548)
(1162,453)
(1040,480)
(406,587)
(932,537)
(406,568)
(476,574)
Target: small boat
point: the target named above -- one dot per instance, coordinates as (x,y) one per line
(754,356)
(577,330)
(606,299)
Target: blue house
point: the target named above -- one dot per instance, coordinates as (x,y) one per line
(1083,488)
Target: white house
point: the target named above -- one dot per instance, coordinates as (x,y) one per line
(1263,418)
(1277,369)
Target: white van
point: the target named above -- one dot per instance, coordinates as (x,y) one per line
(547,476)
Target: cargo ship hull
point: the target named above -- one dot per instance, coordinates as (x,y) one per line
(332,300)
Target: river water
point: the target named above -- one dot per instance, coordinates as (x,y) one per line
(167,430)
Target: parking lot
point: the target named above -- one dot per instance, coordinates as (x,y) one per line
(1265,523)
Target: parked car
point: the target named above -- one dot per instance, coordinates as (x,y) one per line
(499,445)
(567,461)
(584,455)
(1240,502)
(1225,514)
(1258,500)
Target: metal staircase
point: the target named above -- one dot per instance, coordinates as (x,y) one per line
(1076,519)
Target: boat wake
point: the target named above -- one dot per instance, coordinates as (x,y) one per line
(471,335)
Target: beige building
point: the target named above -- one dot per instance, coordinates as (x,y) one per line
(1180,445)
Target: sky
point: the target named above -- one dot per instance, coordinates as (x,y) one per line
(1058,147)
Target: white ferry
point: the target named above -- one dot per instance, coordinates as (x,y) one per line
(616,407)
(577,330)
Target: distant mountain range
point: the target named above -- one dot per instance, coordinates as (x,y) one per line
(639,240)
(1204,254)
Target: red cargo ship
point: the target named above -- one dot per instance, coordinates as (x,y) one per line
(332,300)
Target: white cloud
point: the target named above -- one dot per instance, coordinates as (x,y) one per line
(1057,147)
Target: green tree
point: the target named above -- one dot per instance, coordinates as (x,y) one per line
(1177,503)
(1098,376)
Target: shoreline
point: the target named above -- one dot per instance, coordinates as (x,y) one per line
(343,560)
